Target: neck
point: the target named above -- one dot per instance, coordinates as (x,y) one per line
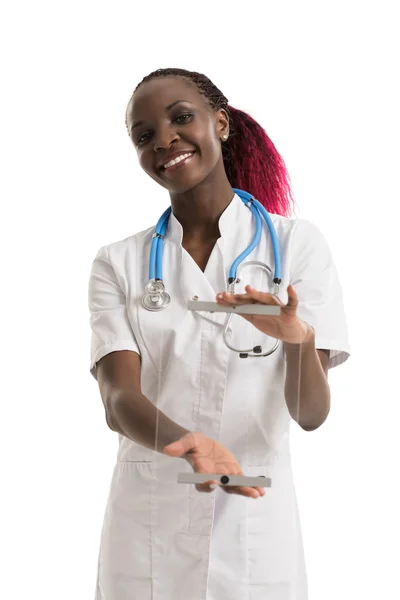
(200,209)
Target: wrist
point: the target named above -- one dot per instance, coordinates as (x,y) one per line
(307,337)
(309,334)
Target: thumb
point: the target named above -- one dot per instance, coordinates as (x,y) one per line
(292,297)
(180,447)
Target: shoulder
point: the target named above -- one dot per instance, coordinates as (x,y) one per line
(119,250)
(303,245)
(298,233)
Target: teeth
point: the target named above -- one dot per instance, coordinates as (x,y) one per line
(177,160)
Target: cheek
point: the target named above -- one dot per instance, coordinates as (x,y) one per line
(211,148)
(144,161)
(215,154)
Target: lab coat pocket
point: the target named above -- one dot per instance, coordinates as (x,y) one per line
(196,508)
(126,553)
(271,531)
(171,500)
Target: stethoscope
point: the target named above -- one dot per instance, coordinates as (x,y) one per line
(156,298)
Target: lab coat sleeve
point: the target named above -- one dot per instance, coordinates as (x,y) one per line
(315,278)
(109,321)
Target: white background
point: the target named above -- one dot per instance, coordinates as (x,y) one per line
(321,78)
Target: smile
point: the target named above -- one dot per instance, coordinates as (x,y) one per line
(180,161)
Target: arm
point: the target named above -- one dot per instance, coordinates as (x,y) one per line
(307,390)
(315,279)
(131,414)
(128,411)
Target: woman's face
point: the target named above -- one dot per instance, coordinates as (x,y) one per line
(167,118)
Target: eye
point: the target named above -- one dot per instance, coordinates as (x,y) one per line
(185,117)
(142,138)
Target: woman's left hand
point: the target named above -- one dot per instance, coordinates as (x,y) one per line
(286,327)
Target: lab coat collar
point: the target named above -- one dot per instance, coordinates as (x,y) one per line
(237,230)
(235,214)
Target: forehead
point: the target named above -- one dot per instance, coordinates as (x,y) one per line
(158,93)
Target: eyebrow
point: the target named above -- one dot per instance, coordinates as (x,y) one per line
(138,123)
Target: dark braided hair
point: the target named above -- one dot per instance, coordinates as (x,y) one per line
(251,160)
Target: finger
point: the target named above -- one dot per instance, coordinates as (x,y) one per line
(221,296)
(263,297)
(228,298)
(207,487)
(249,492)
(292,297)
(260,490)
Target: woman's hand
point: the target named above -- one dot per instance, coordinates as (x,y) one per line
(286,327)
(207,456)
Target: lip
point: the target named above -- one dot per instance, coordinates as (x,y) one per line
(172,156)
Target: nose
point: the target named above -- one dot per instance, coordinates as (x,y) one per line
(164,137)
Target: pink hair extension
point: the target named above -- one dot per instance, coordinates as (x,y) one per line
(253,164)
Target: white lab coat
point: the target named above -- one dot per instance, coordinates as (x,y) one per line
(165,541)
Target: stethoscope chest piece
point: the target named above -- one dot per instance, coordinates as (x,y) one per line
(155,297)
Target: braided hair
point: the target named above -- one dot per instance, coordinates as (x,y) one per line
(251,160)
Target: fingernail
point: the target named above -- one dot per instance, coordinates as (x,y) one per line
(220,296)
(213,486)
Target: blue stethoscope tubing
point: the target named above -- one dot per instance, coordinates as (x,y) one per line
(258,211)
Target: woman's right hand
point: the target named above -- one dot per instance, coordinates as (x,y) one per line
(208,456)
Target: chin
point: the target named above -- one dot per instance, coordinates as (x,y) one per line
(181,186)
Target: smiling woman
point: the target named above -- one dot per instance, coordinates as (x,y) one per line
(172,388)
(203,117)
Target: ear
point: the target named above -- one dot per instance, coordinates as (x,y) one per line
(221,123)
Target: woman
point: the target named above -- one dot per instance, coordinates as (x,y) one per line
(180,399)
